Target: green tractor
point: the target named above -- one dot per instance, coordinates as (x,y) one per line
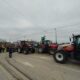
(66,51)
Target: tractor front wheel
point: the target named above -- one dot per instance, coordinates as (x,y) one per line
(60,57)
(40,50)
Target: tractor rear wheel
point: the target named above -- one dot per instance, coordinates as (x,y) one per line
(40,50)
(60,57)
(26,52)
(32,50)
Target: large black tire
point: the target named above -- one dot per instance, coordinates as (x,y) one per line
(26,52)
(40,50)
(60,57)
(32,50)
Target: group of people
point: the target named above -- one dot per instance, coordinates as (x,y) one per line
(2,49)
(8,49)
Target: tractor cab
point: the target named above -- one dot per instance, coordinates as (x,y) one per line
(76,42)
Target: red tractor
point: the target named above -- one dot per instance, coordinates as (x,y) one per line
(25,47)
(66,51)
(47,47)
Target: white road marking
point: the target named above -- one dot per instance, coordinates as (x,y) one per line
(44,58)
(28,64)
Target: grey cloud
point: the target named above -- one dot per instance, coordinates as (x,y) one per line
(38,16)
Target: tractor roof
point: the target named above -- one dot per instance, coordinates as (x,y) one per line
(76,35)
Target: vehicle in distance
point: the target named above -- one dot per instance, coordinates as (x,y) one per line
(25,47)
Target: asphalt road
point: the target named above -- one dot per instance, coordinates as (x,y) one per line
(36,67)
(43,67)
(4,75)
(7,71)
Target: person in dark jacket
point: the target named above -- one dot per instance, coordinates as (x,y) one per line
(10,51)
(0,49)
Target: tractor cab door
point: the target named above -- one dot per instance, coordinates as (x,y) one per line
(78,44)
(77,47)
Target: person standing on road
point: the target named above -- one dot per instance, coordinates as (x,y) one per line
(10,51)
(0,49)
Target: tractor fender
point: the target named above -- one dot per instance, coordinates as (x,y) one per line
(64,52)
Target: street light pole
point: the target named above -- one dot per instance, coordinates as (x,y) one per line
(55,34)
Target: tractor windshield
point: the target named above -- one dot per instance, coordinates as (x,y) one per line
(78,41)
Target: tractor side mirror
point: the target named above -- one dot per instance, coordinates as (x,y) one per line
(70,39)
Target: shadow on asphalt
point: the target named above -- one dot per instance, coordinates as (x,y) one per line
(74,63)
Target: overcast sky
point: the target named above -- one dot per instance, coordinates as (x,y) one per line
(31,19)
